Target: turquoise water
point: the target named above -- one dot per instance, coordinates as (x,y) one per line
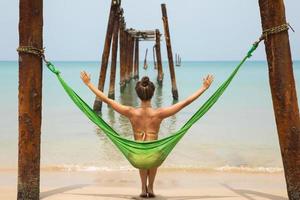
(239,132)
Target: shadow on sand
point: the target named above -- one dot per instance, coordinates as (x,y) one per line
(158,197)
(60,190)
(245,193)
(241,192)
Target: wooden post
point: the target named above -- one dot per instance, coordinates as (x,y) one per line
(179,59)
(154,57)
(122,55)
(131,57)
(284,95)
(111,93)
(125,56)
(136,59)
(169,49)
(160,74)
(126,53)
(145,59)
(105,54)
(30,100)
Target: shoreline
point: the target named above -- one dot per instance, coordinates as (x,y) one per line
(223,169)
(168,185)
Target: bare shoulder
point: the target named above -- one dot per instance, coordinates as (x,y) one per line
(133,110)
(158,111)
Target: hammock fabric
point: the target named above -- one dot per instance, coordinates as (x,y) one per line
(147,154)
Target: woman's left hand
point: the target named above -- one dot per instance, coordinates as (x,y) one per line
(86,78)
(207,81)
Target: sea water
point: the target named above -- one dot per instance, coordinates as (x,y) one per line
(238,133)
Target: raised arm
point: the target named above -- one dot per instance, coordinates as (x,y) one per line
(123,110)
(169,111)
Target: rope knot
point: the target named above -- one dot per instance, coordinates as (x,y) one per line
(33,50)
(274,30)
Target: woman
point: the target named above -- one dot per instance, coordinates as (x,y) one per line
(145,120)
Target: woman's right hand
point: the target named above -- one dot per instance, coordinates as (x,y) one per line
(86,78)
(207,81)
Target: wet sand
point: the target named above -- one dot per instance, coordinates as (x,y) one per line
(173,185)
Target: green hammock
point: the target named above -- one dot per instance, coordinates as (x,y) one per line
(147,154)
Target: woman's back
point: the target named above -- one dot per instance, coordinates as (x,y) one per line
(145,123)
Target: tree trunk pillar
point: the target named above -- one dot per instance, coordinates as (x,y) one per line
(283,91)
(30,100)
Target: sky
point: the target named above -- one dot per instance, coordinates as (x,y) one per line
(200,30)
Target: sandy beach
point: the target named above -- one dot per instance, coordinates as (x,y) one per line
(175,185)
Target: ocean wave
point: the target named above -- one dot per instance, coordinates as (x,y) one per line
(249,169)
(226,168)
(79,168)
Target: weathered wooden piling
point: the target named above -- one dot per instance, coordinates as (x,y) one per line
(30,99)
(145,59)
(122,61)
(127,56)
(122,55)
(179,59)
(154,57)
(106,50)
(283,91)
(160,74)
(136,59)
(111,93)
(169,50)
(131,57)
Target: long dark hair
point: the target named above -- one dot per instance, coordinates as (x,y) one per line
(145,89)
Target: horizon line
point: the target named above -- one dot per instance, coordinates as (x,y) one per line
(296,60)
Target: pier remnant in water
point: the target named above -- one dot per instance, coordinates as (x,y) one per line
(128,56)
(128,40)
(105,55)
(145,59)
(131,56)
(136,59)
(30,99)
(122,54)
(154,57)
(160,74)
(114,54)
(283,91)
(177,60)
(169,50)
